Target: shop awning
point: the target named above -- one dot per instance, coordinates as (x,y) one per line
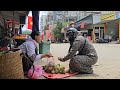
(8,15)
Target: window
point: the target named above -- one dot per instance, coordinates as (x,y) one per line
(96,27)
(101,27)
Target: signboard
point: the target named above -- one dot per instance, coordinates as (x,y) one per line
(21,36)
(109,16)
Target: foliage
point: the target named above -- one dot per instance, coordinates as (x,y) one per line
(57,31)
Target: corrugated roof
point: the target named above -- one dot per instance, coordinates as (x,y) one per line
(102,22)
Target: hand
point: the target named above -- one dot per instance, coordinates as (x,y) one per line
(49,55)
(46,55)
(61,59)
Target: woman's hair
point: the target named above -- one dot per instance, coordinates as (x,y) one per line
(33,34)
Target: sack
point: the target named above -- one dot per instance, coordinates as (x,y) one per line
(35,72)
(27,63)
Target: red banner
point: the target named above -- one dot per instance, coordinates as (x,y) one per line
(82,24)
(30,22)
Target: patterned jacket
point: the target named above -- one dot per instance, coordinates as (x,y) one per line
(77,46)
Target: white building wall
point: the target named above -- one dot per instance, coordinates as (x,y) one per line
(96,18)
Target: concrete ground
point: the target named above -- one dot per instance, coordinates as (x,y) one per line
(107,67)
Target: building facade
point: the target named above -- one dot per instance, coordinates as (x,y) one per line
(43,21)
(84,20)
(108,28)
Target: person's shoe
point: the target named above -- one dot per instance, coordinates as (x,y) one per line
(85,73)
(70,71)
(81,72)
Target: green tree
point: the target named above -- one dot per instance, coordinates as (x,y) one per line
(57,31)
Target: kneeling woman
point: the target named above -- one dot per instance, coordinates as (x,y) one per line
(86,57)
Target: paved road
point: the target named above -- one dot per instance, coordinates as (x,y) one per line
(107,67)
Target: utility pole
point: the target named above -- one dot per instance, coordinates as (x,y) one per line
(12,33)
(68,17)
(79,15)
(13,23)
(53,19)
(85,13)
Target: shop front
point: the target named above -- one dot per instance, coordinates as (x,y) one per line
(107,29)
(117,16)
(100,29)
(85,26)
(109,26)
